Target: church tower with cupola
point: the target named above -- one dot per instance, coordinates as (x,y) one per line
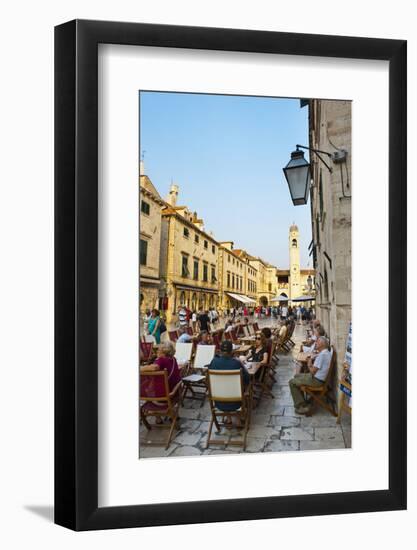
(295,276)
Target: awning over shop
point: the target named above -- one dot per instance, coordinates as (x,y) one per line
(195,288)
(280,298)
(241,298)
(303,299)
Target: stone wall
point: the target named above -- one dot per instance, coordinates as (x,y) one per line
(330,130)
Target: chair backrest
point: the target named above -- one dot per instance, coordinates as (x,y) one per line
(154,386)
(246,331)
(146,349)
(251,330)
(331,368)
(148,338)
(255,327)
(204,356)
(271,349)
(225,385)
(173,335)
(216,339)
(183,351)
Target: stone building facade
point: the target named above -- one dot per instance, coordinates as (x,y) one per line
(330,130)
(151,206)
(235,277)
(188,260)
(181,264)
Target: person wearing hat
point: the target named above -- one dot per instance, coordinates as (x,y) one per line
(226,361)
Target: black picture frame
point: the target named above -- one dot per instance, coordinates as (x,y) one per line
(76,272)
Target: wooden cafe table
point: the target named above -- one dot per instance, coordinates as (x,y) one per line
(303,357)
(242,349)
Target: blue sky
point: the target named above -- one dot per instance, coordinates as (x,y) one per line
(226,153)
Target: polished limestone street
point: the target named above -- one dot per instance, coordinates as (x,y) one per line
(274,426)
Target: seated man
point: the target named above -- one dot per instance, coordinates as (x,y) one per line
(226,361)
(310,345)
(204,339)
(184,337)
(318,366)
(311,340)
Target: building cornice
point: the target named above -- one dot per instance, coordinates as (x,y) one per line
(169,211)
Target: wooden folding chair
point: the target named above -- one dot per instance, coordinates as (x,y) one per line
(183,353)
(251,330)
(146,349)
(173,335)
(255,327)
(216,340)
(226,386)
(156,400)
(289,335)
(261,385)
(194,380)
(320,394)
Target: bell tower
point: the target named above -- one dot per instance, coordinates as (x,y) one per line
(294,249)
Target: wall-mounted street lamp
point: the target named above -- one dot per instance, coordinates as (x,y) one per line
(297,171)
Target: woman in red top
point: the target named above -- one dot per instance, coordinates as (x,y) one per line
(165,361)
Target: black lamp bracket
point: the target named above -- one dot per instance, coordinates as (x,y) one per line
(337,157)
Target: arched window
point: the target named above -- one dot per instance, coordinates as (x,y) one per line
(194,302)
(294,243)
(182,298)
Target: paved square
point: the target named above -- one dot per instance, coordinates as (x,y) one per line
(275,426)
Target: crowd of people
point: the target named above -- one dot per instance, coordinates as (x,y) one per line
(202,320)
(317,346)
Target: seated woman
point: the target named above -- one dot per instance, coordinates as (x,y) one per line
(165,361)
(257,354)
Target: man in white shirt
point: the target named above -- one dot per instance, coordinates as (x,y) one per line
(284,312)
(318,366)
(182,316)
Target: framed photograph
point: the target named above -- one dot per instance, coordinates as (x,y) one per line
(230,246)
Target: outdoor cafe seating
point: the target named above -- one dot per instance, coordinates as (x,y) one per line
(158,402)
(225,387)
(194,379)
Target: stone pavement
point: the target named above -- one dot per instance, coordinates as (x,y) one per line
(275,426)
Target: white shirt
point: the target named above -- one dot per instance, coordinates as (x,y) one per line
(284,311)
(182,317)
(322,363)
